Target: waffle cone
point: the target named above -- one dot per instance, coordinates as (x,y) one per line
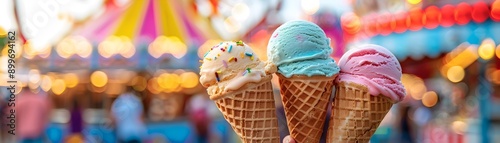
(305,100)
(251,112)
(355,113)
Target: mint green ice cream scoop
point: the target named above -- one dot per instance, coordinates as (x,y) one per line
(301,48)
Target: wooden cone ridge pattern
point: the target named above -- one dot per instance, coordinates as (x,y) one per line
(252,114)
(305,103)
(356,114)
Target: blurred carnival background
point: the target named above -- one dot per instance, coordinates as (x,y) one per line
(127,70)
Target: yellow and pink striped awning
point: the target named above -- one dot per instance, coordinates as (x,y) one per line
(141,21)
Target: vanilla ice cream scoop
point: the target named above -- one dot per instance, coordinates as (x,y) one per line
(230,65)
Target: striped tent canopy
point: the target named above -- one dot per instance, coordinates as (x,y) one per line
(141,21)
(139,25)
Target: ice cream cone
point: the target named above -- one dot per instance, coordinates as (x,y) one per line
(305,100)
(251,112)
(355,113)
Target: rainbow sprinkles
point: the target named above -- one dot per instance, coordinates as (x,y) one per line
(228,47)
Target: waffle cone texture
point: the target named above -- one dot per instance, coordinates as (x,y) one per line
(355,114)
(251,112)
(305,100)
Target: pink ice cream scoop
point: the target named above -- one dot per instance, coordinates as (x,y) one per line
(375,67)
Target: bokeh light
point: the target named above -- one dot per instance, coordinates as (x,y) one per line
(464,55)
(495,10)
(169,82)
(459,127)
(153,86)
(31,51)
(107,47)
(480,12)
(310,6)
(384,24)
(58,87)
(487,49)
(455,52)
(114,45)
(164,45)
(463,13)
(71,80)
(495,78)
(178,49)
(3,32)
(34,76)
(415,20)
(157,47)
(65,48)
(370,28)
(99,79)
(70,46)
(414,1)
(44,52)
(33,86)
(128,49)
(83,47)
(493,74)
(39,50)
(432,17)
(456,74)
(447,15)
(351,23)
(240,11)
(414,85)
(189,79)
(139,83)
(232,25)
(46,83)
(497,51)
(401,22)
(430,99)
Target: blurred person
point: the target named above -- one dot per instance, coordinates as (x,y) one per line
(406,127)
(32,116)
(199,116)
(127,112)
(76,124)
(76,118)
